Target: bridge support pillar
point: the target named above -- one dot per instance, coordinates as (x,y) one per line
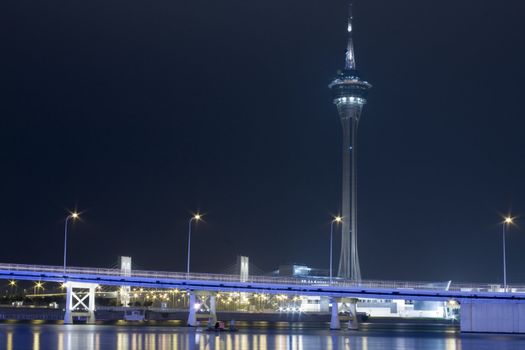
(192,315)
(68,317)
(213,312)
(80,301)
(124,295)
(353,322)
(335,323)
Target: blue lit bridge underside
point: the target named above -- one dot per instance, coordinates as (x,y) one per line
(274,285)
(484,307)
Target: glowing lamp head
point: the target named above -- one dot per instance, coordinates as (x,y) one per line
(12,283)
(338,219)
(74,215)
(508,220)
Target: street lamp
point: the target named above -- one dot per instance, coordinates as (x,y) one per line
(508,221)
(195,217)
(337,219)
(73,216)
(38,285)
(12,285)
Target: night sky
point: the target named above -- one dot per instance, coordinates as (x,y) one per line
(138,113)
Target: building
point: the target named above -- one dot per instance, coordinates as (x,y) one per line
(349,93)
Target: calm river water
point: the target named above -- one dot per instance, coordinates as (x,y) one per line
(81,337)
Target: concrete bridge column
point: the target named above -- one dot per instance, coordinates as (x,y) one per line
(335,323)
(80,300)
(124,295)
(91,306)
(213,312)
(68,317)
(192,315)
(353,322)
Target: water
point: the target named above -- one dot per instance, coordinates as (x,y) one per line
(86,337)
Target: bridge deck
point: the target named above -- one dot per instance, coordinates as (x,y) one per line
(275,285)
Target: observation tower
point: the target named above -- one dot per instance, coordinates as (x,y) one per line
(349,93)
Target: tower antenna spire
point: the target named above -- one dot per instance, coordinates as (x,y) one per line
(350,57)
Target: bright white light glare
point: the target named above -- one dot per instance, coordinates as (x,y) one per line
(350,100)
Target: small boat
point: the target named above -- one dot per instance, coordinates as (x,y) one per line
(134,315)
(221,330)
(220,327)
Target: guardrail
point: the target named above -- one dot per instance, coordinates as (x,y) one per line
(322,282)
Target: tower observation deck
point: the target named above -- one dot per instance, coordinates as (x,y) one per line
(349,93)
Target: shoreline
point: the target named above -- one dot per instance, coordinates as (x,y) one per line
(27,315)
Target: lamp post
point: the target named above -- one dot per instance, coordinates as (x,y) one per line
(12,285)
(196,217)
(337,219)
(506,222)
(38,286)
(73,216)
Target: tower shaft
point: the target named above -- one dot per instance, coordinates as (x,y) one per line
(349,260)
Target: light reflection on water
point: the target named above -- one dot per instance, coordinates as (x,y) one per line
(9,341)
(36,340)
(101,337)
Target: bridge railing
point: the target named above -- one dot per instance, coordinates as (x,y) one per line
(321,282)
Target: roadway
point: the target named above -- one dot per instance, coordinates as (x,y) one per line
(339,288)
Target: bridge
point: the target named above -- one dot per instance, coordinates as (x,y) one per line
(484,307)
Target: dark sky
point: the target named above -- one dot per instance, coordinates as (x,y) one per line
(139,112)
